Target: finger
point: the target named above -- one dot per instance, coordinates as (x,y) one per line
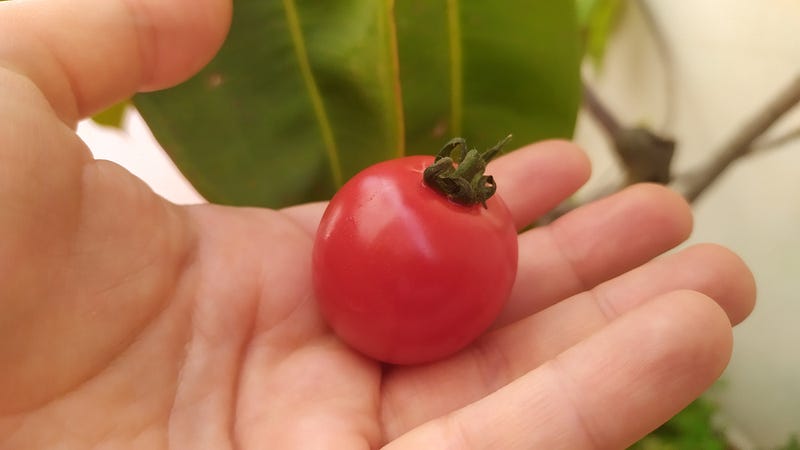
(707,268)
(503,355)
(536,178)
(605,392)
(594,243)
(94,255)
(307,215)
(532,180)
(86,54)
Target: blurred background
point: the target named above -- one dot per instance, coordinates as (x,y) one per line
(728,59)
(696,73)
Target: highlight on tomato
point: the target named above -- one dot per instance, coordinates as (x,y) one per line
(415,257)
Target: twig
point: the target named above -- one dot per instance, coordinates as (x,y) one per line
(646,156)
(776,142)
(740,143)
(601,113)
(666,59)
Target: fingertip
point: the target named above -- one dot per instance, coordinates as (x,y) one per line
(654,360)
(673,208)
(705,330)
(737,294)
(682,340)
(567,157)
(178,39)
(537,177)
(571,153)
(615,234)
(85,55)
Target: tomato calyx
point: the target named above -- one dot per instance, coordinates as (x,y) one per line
(460,175)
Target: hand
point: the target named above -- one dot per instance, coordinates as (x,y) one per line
(129,322)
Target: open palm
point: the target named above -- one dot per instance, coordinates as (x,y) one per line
(129,322)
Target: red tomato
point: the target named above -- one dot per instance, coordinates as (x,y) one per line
(405,275)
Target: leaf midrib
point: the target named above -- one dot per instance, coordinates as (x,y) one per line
(321,115)
(456,67)
(397,92)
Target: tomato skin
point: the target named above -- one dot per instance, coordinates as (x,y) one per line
(403,274)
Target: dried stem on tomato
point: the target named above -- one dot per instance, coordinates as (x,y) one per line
(459,175)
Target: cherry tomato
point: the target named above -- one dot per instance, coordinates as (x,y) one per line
(405,275)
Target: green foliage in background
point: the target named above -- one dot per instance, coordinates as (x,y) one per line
(111,116)
(792,444)
(304,94)
(597,19)
(691,429)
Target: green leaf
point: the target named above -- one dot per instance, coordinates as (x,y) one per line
(584,9)
(792,444)
(597,19)
(113,115)
(304,93)
(483,70)
(690,429)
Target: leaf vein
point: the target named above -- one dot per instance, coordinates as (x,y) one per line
(456,67)
(397,85)
(326,130)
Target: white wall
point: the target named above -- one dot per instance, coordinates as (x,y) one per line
(135,148)
(729,58)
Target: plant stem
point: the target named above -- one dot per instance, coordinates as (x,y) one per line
(646,156)
(601,113)
(663,48)
(461,179)
(776,142)
(741,142)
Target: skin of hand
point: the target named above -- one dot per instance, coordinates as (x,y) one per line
(129,322)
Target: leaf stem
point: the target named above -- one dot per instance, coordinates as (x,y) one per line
(663,48)
(779,141)
(601,113)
